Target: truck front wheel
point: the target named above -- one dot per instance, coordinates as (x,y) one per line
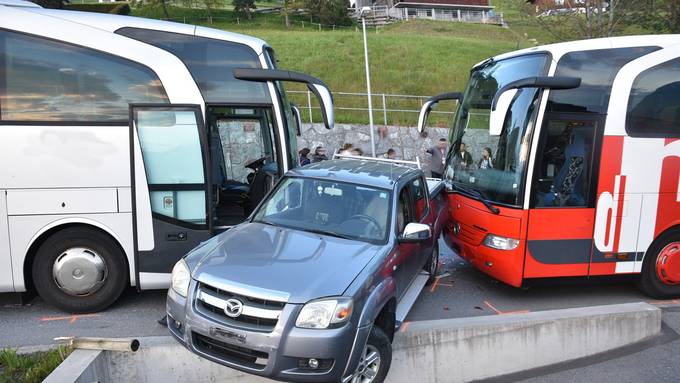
(375,358)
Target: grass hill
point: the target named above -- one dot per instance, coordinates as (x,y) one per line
(417,57)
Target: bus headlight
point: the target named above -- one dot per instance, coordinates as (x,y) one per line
(324,313)
(500,243)
(181,278)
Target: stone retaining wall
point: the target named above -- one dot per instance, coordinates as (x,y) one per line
(405,140)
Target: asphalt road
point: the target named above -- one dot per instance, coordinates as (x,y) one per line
(460,292)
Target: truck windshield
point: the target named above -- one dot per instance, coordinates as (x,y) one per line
(494,166)
(331,208)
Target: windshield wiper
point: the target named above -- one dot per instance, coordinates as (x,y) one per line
(330,233)
(478,196)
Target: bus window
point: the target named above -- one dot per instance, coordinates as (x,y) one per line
(46,80)
(563,169)
(654,105)
(173,162)
(210,62)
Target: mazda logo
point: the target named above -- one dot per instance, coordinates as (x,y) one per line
(233,308)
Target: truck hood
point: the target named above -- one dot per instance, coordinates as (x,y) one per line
(303,265)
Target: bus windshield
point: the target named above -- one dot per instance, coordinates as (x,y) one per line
(494,166)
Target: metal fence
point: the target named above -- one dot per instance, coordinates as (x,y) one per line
(388,109)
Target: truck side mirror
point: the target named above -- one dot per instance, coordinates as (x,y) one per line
(316,86)
(502,100)
(415,232)
(298,119)
(430,103)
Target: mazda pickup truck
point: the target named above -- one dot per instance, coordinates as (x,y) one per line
(312,287)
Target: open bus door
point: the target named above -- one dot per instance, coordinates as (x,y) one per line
(170,187)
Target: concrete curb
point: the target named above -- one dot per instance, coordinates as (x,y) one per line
(455,350)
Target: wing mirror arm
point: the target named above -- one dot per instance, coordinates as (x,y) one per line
(502,100)
(315,85)
(430,103)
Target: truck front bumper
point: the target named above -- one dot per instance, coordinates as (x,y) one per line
(281,354)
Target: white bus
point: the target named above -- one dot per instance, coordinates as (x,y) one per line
(125,142)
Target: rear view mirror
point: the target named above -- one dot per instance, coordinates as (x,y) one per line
(298,119)
(502,100)
(430,103)
(316,86)
(415,232)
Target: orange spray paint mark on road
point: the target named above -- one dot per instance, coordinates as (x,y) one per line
(70,318)
(499,312)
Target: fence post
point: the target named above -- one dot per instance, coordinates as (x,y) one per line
(384,109)
(309,106)
(303,24)
(185,19)
(319,26)
(333,27)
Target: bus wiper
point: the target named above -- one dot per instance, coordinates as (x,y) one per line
(478,196)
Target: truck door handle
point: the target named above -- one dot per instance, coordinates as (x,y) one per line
(181,236)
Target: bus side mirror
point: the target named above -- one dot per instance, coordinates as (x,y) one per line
(503,98)
(316,86)
(497,116)
(298,119)
(431,102)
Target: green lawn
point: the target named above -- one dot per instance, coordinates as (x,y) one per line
(417,57)
(31,368)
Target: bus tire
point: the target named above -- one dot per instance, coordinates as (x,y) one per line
(660,277)
(80,270)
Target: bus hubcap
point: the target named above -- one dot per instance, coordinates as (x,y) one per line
(79,271)
(668,264)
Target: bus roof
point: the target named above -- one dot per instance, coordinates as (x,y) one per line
(559,49)
(111,23)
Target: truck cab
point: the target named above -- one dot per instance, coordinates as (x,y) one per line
(313,286)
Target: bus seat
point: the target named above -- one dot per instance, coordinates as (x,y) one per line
(567,187)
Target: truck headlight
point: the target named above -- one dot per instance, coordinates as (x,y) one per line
(324,313)
(181,278)
(500,243)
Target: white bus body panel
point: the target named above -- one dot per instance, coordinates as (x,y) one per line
(24,230)
(62,201)
(6,280)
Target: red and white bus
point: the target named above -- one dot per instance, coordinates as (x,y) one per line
(584,173)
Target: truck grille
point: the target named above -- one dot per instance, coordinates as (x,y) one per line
(241,356)
(257,314)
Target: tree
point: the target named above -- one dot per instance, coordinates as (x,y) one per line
(244,7)
(329,12)
(287,7)
(661,16)
(584,18)
(57,4)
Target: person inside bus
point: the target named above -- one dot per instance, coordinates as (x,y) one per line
(486,162)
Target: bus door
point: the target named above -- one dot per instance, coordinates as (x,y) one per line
(171,213)
(561,211)
(243,160)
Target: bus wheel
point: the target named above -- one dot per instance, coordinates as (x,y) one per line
(661,268)
(79,270)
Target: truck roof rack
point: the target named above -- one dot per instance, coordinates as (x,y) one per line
(386,160)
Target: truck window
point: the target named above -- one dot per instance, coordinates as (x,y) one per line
(419,198)
(654,104)
(210,62)
(46,80)
(404,210)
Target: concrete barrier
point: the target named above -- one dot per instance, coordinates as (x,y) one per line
(452,350)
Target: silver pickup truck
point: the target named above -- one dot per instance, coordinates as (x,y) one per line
(314,285)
